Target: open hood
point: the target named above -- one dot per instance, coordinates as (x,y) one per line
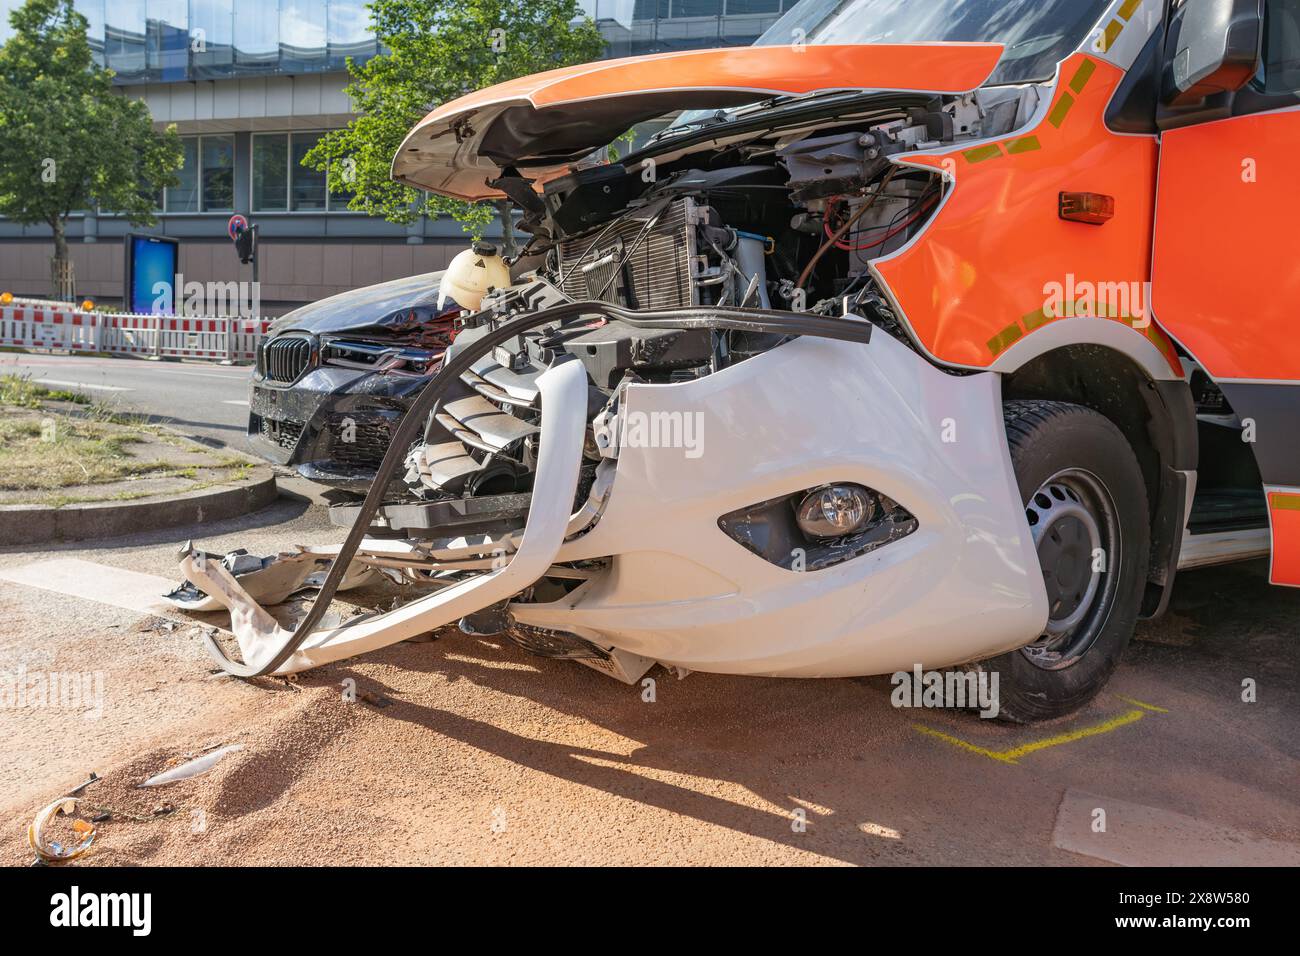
(540,124)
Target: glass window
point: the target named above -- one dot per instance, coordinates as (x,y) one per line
(1037,34)
(302,35)
(124,38)
(347,30)
(649,9)
(1282,46)
(339,198)
(218,173)
(736,8)
(212,24)
(697,8)
(270,172)
(92,10)
(167,43)
(184,197)
(308,189)
(257,27)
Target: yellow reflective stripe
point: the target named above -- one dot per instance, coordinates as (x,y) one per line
(1026,144)
(981,153)
(1113,30)
(1036,319)
(1129,9)
(1283,502)
(1082,75)
(1005,339)
(1061,110)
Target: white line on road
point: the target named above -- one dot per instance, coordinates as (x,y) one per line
(1133,835)
(66,384)
(234,401)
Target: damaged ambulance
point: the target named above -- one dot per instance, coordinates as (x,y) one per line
(935,334)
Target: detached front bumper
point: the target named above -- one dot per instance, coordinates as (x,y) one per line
(963,586)
(661,579)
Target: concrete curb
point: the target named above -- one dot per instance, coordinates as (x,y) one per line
(39,524)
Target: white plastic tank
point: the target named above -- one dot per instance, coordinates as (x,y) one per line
(470,275)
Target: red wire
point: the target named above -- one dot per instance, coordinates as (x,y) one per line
(892,232)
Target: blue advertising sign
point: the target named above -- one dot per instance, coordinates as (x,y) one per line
(151,266)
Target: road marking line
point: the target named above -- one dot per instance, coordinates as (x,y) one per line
(1013,755)
(130,590)
(234,401)
(66,384)
(1137,835)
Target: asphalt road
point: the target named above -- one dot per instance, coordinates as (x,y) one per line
(469,750)
(202,399)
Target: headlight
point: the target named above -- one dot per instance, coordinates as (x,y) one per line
(380,358)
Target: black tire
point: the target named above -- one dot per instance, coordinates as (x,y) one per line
(1087,488)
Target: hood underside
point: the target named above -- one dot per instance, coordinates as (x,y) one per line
(542,123)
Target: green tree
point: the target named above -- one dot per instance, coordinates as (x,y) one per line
(437,50)
(67,140)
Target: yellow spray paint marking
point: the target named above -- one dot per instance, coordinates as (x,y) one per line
(1013,755)
(1137,703)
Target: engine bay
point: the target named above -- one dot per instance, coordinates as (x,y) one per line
(785,219)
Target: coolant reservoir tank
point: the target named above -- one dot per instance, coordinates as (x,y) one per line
(470,274)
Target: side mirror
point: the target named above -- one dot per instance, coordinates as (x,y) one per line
(1213,46)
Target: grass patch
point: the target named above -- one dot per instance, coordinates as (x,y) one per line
(59,448)
(61,452)
(21,392)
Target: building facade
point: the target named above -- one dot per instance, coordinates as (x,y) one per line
(251,86)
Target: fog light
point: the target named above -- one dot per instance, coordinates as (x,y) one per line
(835,511)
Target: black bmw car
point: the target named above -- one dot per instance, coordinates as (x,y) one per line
(333,378)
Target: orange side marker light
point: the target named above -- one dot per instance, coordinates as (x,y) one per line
(1092,208)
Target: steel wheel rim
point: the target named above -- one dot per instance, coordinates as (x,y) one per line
(1071,515)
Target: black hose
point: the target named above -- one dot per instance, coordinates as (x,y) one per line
(745,320)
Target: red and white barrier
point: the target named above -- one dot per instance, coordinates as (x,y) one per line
(42,327)
(156,336)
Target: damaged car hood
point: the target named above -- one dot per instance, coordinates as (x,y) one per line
(391,306)
(542,123)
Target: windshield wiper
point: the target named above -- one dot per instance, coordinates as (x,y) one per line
(715,119)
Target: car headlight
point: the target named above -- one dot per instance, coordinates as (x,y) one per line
(375,357)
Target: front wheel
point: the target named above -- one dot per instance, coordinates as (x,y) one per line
(1086,503)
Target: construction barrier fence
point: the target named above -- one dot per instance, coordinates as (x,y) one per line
(226,339)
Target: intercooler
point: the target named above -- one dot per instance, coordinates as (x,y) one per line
(643,260)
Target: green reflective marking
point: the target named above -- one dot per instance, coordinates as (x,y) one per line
(1004,339)
(1061,110)
(1082,75)
(1036,319)
(981,153)
(1026,144)
(1113,30)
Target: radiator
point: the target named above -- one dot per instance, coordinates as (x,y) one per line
(657,274)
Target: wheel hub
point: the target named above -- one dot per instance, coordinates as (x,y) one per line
(1075,532)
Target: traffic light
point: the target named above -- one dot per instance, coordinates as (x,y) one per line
(246,244)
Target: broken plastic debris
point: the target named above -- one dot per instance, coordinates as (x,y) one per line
(52,851)
(191,769)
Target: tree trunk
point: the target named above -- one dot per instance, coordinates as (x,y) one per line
(62,281)
(507,228)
